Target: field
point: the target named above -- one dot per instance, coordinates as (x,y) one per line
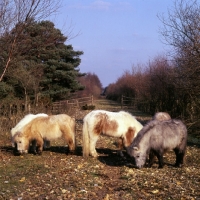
(58,175)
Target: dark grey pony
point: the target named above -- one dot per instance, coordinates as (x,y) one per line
(157,137)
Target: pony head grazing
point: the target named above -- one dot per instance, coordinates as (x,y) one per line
(139,157)
(137,152)
(22,123)
(22,143)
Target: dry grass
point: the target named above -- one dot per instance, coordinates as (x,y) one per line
(57,175)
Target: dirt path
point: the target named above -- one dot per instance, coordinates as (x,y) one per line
(55,175)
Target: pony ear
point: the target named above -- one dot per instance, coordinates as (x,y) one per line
(135,148)
(18,133)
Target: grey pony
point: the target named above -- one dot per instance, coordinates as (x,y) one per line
(157,137)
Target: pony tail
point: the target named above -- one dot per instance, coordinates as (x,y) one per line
(86,142)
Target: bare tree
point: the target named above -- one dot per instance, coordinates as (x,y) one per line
(17,13)
(92,85)
(181,30)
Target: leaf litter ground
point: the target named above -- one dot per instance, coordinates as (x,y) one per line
(58,175)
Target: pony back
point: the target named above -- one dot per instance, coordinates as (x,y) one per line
(161,116)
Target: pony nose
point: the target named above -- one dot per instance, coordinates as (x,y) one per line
(139,166)
(22,151)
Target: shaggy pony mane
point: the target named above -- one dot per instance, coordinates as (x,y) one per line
(143,131)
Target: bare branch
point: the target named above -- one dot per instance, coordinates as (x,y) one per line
(15,12)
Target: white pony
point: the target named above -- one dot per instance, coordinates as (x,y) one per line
(116,124)
(19,127)
(46,128)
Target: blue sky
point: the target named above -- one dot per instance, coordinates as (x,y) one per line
(113,34)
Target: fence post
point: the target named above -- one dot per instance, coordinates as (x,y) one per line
(92,99)
(67,103)
(77,103)
(10,108)
(29,108)
(121,101)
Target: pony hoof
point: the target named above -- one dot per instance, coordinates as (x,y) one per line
(94,155)
(178,165)
(72,152)
(39,153)
(16,153)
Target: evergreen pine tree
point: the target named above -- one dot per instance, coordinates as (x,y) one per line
(44,62)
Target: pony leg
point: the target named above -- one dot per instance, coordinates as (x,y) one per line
(70,139)
(72,146)
(179,157)
(160,159)
(120,147)
(151,158)
(47,144)
(15,152)
(33,147)
(93,142)
(180,152)
(39,145)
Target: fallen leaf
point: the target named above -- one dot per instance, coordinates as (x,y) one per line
(79,166)
(106,197)
(64,191)
(155,191)
(22,179)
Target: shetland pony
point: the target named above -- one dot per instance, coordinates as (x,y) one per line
(158,137)
(116,124)
(25,121)
(46,128)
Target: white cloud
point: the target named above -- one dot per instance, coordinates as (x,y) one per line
(101,5)
(95,5)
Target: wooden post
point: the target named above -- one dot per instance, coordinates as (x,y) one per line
(92,99)
(77,103)
(29,108)
(10,108)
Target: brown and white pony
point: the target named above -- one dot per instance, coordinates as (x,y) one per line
(46,128)
(116,124)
